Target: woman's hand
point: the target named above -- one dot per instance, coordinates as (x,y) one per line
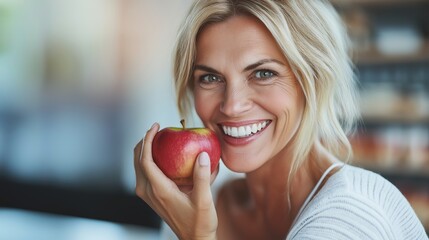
(190,214)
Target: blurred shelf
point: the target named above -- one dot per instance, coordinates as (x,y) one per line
(419,177)
(374,56)
(395,119)
(377,3)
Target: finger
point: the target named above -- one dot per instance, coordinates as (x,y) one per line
(154,175)
(148,139)
(137,156)
(137,150)
(186,189)
(201,193)
(146,154)
(214,174)
(141,181)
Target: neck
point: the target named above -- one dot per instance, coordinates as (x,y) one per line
(266,183)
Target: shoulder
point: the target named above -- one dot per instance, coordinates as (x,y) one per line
(359,204)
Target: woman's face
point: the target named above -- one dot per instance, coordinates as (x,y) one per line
(246,92)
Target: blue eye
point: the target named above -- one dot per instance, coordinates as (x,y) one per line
(209,78)
(264,74)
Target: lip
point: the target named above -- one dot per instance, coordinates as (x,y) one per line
(242,123)
(244,140)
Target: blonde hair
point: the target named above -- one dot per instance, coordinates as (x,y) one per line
(314,41)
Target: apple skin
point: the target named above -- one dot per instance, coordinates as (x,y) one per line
(175,151)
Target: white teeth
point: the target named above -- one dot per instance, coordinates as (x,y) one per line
(254,128)
(241,131)
(234,132)
(244,131)
(248,130)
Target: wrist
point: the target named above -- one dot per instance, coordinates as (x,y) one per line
(209,237)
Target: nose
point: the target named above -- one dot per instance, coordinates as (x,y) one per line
(236,101)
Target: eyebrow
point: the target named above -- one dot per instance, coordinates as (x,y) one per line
(261,62)
(249,67)
(206,69)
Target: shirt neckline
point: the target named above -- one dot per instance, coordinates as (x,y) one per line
(316,187)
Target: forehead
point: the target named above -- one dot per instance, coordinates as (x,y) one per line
(235,34)
(241,21)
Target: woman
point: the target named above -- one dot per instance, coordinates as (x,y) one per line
(274,81)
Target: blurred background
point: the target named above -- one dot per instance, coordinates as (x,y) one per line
(82,80)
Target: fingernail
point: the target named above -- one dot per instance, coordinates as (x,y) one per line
(204,159)
(153,125)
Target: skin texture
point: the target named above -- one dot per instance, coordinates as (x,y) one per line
(241,77)
(238,95)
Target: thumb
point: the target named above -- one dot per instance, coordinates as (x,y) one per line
(201,192)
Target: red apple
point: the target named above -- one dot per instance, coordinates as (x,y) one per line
(175,151)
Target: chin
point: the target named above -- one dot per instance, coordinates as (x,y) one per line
(240,162)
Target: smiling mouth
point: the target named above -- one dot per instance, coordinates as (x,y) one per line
(245,130)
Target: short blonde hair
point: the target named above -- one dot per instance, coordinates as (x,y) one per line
(314,41)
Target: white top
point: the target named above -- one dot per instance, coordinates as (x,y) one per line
(353,204)
(357,204)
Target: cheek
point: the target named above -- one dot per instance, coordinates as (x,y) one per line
(287,104)
(277,100)
(205,105)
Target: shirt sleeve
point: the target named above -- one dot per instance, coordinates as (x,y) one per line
(369,208)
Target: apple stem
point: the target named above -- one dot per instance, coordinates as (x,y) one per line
(183,123)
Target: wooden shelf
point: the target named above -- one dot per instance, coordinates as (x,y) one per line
(374,56)
(396,119)
(420,176)
(400,109)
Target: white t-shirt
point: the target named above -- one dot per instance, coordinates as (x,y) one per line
(357,204)
(354,203)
